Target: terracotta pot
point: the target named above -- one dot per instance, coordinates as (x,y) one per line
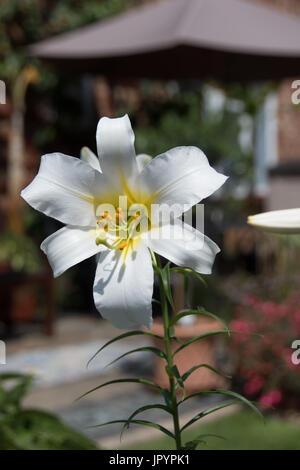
(200,352)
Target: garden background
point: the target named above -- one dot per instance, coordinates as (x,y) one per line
(249,131)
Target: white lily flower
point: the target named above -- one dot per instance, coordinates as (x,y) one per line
(75,191)
(285,221)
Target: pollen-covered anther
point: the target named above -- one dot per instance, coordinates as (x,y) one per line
(119,215)
(102,224)
(122,246)
(105,215)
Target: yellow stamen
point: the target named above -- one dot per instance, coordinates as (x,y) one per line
(119,217)
(122,246)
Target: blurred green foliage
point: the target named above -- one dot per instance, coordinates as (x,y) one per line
(32,429)
(19,253)
(185,119)
(23,22)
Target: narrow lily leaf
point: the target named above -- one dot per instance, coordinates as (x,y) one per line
(211,435)
(138,421)
(187,291)
(141,410)
(191,272)
(139,381)
(165,276)
(178,377)
(192,445)
(186,313)
(196,338)
(167,397)
(207,412)
(228,393)
(171,332)
(124,335)
(156,351)
(192,369)
(178,340)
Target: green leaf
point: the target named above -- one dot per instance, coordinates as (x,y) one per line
(192,369)
(124,335)
(189,271)
(192,445)
(207,412)
(211,435)
(141,410)
(12,376)
(178,377)
(196,338)
(20,385)
(172,332)
(228,393)
(186,291)
(173,372)
(31,429)
(200,312)
(166,280)
(167,397)
(139,381)
(138,421)
(156,351)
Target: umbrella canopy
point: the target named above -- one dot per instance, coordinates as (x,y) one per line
(225,39)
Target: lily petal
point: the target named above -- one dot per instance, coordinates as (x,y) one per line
(283,221)
(89,157)
(69,246)
(123,289)
(142,160)
(184,246)
(64,188)
(115,144)
(182,176)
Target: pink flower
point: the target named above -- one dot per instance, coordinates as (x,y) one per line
(269,309)
(249,300)
(242,326)
(296,322)
(271,398)
(254,385)
(282,311)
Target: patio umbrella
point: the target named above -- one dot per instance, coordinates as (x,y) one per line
(225,39)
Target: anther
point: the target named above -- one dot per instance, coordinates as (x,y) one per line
(122,246)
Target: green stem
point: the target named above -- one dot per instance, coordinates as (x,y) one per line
(167,340)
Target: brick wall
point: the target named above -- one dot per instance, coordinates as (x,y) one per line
(289,115)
